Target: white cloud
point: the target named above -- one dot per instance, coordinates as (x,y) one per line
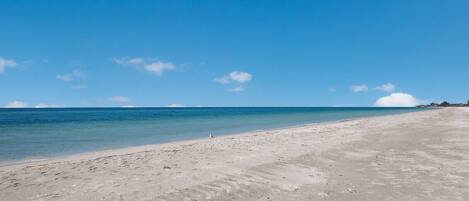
(155,66)
(398,100)
(128,106)
(235,76)
(237,89)
(75,74)
(175,105)
(120,99)
(388,87)
(159,67)
(16,104)
(4,63)
(21,104)
(359,88)
(240,77)
(43,105)
(222,80)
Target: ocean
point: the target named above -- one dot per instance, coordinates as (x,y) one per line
(41,133)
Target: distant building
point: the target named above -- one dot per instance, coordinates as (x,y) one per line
(444,104)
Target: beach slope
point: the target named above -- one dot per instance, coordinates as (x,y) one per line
(413,156)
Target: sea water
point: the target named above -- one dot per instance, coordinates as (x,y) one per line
(37,133)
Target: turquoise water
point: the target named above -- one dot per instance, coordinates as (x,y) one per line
(37,133)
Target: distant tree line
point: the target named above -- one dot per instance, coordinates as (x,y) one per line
(445,104)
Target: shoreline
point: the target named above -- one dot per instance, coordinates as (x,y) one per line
(411,156)
(140,148)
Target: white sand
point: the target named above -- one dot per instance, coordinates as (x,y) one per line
(415,156)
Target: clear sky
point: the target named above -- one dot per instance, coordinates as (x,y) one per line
(233,53)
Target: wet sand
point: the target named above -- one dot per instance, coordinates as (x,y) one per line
(414,156)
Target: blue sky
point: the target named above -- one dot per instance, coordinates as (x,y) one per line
(233,53)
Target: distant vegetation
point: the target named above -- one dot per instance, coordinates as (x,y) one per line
(445,104)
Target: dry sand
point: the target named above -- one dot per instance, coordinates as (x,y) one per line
(414,156)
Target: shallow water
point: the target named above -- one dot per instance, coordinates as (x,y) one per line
(36,133)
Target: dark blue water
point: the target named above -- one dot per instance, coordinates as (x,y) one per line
(37,133)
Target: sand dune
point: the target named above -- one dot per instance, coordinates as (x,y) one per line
(414,156)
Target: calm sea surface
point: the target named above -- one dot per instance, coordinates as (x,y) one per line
(38,133)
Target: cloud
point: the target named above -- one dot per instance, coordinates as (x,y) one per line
(359,88)
(16,104)
(21,104)
(43,105)
(75,74)
(222,80)
(398,100)
(235,76)
(388,87)
(237,89)
(152,65)
(128,106)
(159,67)
(175,105)
(120,99)
(5,63)
(240,77)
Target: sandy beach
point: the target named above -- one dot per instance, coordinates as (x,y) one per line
(414,156)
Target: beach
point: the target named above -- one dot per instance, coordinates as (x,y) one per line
(413,156)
